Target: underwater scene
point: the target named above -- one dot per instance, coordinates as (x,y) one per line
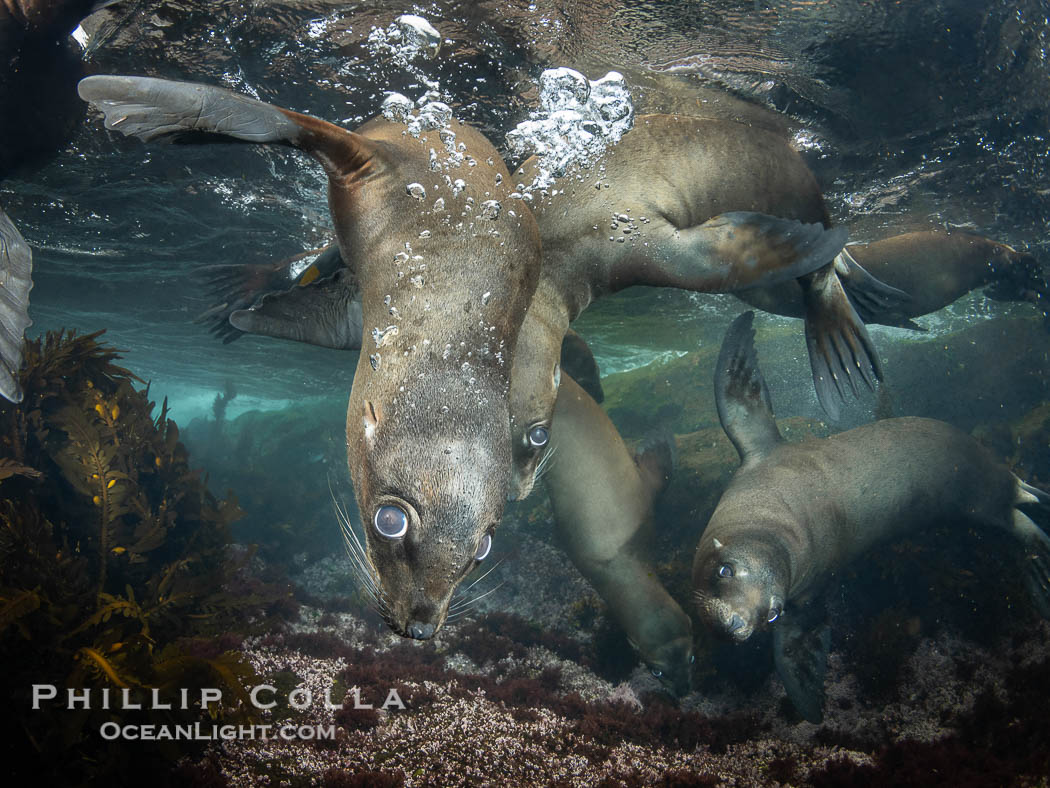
(525,393)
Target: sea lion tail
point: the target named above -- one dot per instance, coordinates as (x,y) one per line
(874,300)
(840,350)
(744,407)
(16,280)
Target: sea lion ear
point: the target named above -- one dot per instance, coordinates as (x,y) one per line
(371,420)
(718,545)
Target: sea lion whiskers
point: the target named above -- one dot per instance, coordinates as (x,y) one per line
(360,565)
(465,606)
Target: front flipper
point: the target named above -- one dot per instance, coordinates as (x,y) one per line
(243,285)
(326,313)
(579,363)
(16,280)
(874,300)
(800,653)
(840,349)
(736,250)
(151,109)
(741,394)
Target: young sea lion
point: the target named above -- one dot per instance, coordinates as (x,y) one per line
(794,513)
(934,267)
(444,289)
(602,496)
(689,203)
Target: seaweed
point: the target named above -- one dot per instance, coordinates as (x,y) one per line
(111,551)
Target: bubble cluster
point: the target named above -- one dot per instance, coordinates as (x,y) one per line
(405,39)
(577,119)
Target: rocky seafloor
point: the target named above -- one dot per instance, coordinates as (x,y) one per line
(939,672)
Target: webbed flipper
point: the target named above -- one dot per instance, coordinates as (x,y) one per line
(579,363)
(741,394)
(1037,550)
(740,249)
(152,109)
(16,280)
(840,350)
(874,300)
(800,653)
(326,313)
(657,458)
(242,285)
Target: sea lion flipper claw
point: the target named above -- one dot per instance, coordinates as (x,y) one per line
(832,323)
(16,280)
(326,313)
(741,394)
(800,654)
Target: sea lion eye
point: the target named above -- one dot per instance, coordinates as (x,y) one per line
(725,570)
(391,521)
(774,614)
(656,672)
(483,548)
(538,436)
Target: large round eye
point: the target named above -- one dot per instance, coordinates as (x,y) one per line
(538,436)
(656,672)
(725,570)
(391,521)
(774,614)
(483,548)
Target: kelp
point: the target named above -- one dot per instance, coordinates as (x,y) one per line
(113,553)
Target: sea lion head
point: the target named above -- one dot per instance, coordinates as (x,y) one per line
(672,663)
(533,392)
(431,494)
(739,585)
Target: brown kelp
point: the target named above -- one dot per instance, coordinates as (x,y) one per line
(113,556)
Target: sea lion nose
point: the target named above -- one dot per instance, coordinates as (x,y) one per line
(419,631)
(736,622)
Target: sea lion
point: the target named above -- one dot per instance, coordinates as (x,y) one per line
(38,112)
(445,277)
(689,203)
(601,497)
(795,513)
(934,267)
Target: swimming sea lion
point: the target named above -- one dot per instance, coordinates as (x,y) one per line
(601,499)
(689,203)
(445,277)
(39,109)
(934,267)
(795,513)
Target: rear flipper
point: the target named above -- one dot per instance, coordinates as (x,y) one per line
(242,286)
(326,313)
(16,280)
(800,653)
(875,301)
(840,350)
(152,109)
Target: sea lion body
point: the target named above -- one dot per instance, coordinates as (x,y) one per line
(444,285)
(934,267)
(601,499)
(690,203)
(795,514)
